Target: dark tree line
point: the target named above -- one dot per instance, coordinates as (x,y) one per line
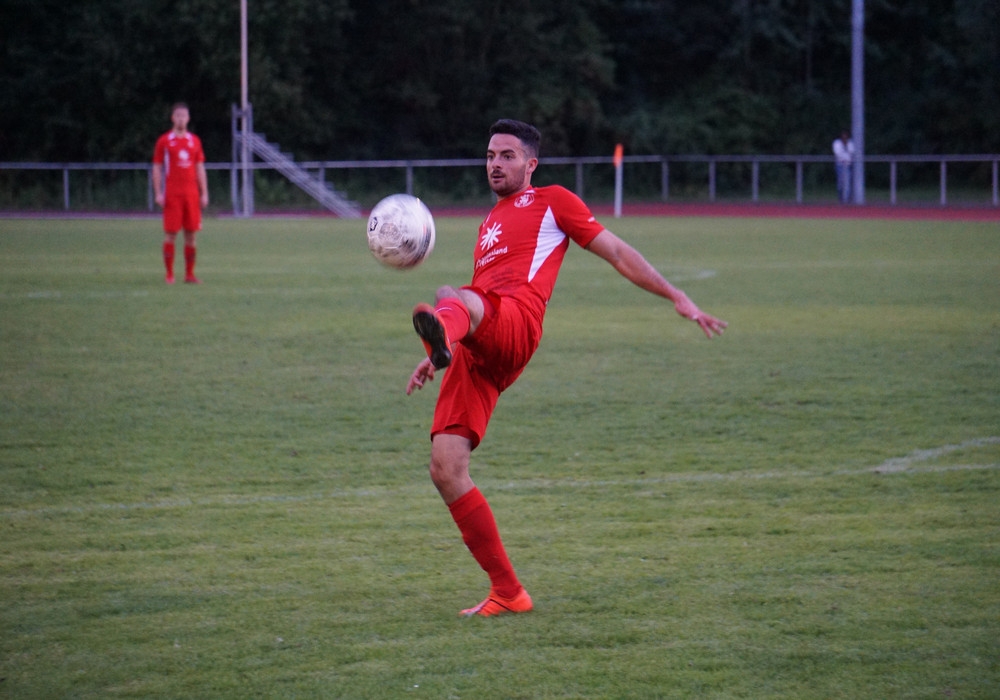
(337,79)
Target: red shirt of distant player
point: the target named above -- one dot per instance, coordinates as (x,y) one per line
(523,240)
(180,154)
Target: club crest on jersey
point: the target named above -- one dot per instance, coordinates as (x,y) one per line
(525,200)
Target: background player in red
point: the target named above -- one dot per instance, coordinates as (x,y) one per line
(185,191)
(486,332)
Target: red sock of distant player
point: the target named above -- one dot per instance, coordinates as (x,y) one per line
(479,531)
(189,256)
(168,258)
(455,317)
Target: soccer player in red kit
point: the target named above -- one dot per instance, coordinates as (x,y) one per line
(185,191)
(486,332)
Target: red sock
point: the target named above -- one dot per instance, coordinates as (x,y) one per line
(455,317)
(479,531)
(189,255)
(168,257)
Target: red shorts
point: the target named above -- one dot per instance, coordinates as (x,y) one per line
(182,210)
(484,365)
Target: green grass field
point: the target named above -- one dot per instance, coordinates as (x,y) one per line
(220,491)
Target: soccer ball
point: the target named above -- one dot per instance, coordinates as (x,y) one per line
(400,231)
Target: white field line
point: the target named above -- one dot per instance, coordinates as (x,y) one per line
(56,294)
(910,464)
(905,463)
(688,276)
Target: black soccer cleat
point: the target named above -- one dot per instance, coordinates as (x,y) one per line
(433,334)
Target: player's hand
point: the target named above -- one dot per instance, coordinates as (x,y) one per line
(709,324)
(422,374)
(160,199)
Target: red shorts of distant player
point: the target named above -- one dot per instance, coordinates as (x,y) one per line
(484,365)
(182,210)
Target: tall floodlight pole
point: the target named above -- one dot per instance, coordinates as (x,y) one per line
(858,99)
(245,116)
(244,89)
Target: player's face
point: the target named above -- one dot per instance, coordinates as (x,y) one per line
(508,167)
(180,119)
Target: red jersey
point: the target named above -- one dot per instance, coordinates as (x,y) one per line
(180,155)
(524,239)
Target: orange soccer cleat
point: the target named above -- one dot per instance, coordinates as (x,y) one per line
(495,605)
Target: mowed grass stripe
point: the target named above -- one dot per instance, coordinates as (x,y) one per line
(909,464)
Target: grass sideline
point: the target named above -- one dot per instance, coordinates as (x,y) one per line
(220,491)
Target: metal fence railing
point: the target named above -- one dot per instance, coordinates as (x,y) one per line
(893,179)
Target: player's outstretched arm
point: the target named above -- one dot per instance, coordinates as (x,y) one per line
(635,268)
(711,325)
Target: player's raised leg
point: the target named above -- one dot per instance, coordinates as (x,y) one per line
(432,325)
(455,314)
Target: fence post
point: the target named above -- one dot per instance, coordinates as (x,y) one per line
(711,180)
(409,179)
(798,182)
(944,186)
(665,179)
(755,180)
(996,184)
(892,182)
(234,188)
(579,179)
(619,164)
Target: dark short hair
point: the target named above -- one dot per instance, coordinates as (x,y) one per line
(178,105)
(529,136)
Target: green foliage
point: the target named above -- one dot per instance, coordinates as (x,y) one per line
(342,79)
(221,491)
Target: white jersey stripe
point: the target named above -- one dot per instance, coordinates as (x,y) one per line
(550,237)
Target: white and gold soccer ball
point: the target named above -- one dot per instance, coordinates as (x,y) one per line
(400,231)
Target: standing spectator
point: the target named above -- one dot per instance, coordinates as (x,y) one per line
(185,191)
(843,154)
